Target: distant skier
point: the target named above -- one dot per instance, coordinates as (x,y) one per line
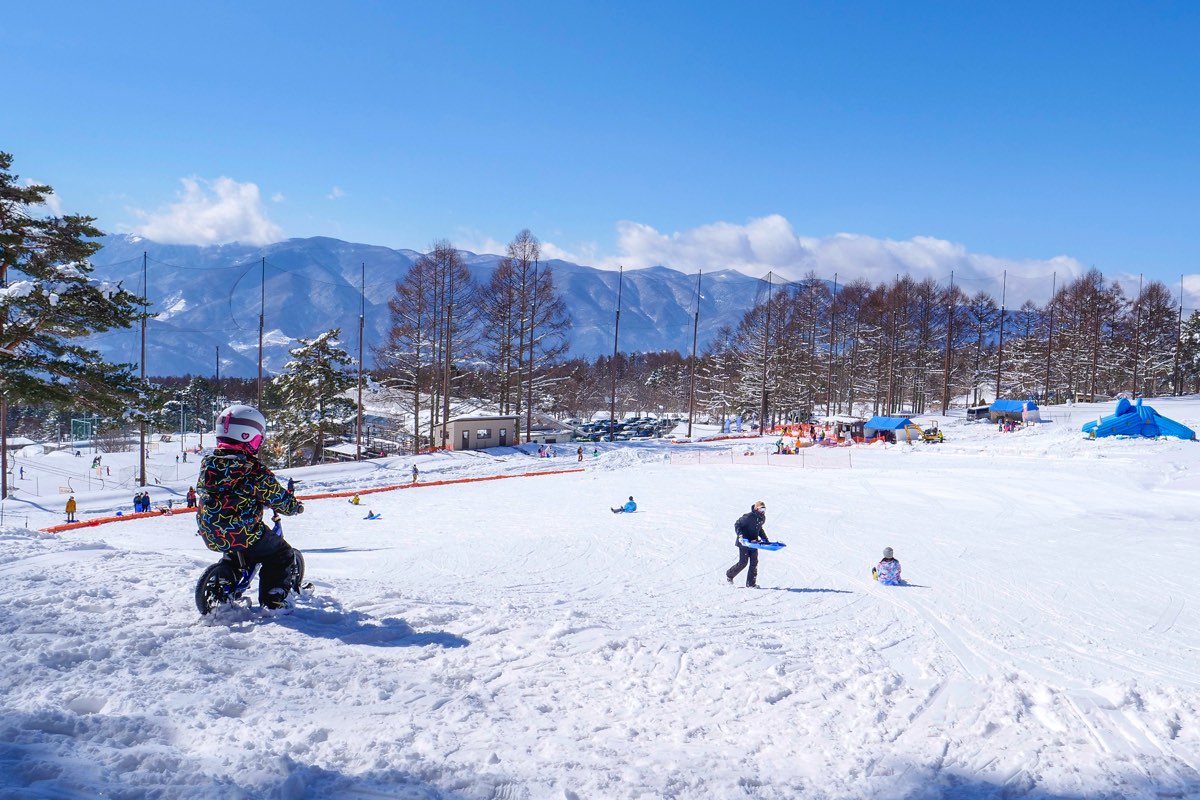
(233,488)
(416,472)
(748,528)
(628,508)
(71,508)
(191,497)
(887,571)
(579,454)
(354,500)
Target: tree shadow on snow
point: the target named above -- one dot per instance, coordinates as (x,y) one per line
(329,620)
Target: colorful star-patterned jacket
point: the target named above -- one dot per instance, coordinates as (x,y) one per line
(233,488)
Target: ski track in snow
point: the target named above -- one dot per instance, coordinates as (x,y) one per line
(513,639)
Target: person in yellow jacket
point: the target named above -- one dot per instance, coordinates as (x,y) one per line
(71,508)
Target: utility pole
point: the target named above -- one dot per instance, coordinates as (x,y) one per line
(1000,352)
(532,320)
(1137,336)
(612,368)
(262,312)
(692,380)
(949,339)
(142,422)
(362,314)
(1050,334)
(1179,342)
(762,416)
(832,341)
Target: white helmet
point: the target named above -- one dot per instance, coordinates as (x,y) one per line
(241,427)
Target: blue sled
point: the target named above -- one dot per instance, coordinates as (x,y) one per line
(763,545)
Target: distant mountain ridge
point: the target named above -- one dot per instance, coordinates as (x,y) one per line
(208,299)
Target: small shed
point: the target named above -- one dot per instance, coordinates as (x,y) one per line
(1015,410)
(892,428)
(480,433)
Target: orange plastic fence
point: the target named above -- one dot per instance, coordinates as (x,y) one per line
(91,523)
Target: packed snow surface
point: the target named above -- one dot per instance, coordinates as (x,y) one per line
(509,639)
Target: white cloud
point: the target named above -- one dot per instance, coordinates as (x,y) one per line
(770,245)
(335,194)
(278,197)
(52,202)
(211,212)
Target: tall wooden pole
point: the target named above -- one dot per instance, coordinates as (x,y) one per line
(832,342)
(692,379)
(762,415)
(949,339)
(262,312)
(3,400)
(529,389)
(1179,341)
(1137,336)
(612,368)
(362,314)
(142,422)
(1000,352)
(446,373)
(1050,335)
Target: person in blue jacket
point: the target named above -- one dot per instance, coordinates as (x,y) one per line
(749,528)
(628,508)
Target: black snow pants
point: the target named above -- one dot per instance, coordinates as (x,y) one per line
(746,555)
(277,558)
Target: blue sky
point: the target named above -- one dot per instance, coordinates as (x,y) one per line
(838,137)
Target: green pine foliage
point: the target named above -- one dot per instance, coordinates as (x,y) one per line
(49,302)
(307,400)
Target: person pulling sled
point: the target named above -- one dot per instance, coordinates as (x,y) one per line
(232,490)
(749,528)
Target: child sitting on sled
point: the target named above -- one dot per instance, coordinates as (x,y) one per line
(628,508)
(887,571)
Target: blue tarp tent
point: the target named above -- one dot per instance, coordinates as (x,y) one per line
(1137,420)
(876,424)
(1023,410)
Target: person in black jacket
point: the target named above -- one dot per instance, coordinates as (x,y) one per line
(749,527)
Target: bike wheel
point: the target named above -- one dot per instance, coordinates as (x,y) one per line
(215,587)
(297,573)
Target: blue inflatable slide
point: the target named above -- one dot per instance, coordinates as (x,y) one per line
(1137,420)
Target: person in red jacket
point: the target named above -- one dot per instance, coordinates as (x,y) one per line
(233,488)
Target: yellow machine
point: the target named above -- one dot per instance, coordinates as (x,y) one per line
(932,434)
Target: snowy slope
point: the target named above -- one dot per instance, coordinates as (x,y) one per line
(513,639)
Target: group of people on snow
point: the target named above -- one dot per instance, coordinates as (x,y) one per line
(749,532)
(141,502)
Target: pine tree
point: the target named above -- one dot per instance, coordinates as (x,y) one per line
(310,397)
(49,302)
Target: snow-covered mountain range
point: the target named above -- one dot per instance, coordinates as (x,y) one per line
(208,301)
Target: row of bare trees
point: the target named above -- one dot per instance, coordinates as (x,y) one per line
(450,336)
(915,346)
(806,348)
